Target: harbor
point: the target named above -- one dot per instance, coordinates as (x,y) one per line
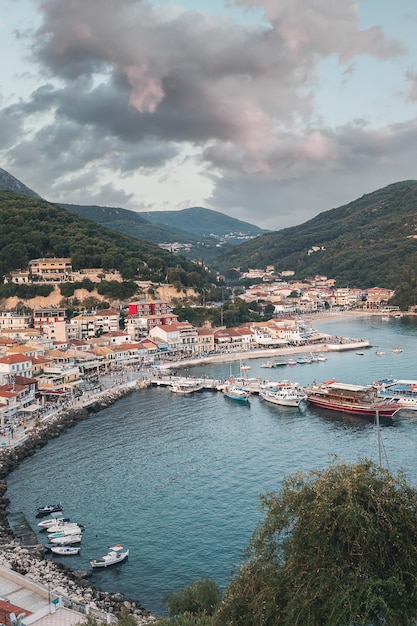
(196,462)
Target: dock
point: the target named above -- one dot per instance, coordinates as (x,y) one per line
(23,532)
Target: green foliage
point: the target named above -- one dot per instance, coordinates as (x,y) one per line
(337,547)
(33,228)
(26,291)
(366,243)
(123,619)
(67,289)
(186,619)
(117,290)
(202,596)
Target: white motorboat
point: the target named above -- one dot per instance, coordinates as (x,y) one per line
(185,387)
(66,539)
(65,550)
(66,528)
(115,555)
(285,393)
(53,521)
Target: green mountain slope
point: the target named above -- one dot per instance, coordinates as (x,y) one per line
(370,241)
(131,223)
(204,223)
(31,228)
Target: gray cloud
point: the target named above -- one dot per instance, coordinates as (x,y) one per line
(128,90)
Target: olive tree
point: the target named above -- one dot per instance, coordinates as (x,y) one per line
(336,547)
(200,597)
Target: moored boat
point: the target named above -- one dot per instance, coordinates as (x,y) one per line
(352,399)
(52,521)
(285,393)
(234,392)
(115,555)
(185,387)
(63,530)
(48,509)
(65,550)
(403,392)
(66,539)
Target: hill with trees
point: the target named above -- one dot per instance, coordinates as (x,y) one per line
(203,222)
(33,228)
(131,223)
(370,241)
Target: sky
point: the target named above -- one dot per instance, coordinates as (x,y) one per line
(269,111)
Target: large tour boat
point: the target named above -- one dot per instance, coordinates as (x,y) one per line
(352,399)
(403,392)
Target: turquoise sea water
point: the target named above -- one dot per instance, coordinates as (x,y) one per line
(177,479)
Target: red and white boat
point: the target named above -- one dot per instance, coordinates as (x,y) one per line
(352,399)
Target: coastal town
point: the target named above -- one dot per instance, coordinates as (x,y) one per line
(49,359)
(56,370)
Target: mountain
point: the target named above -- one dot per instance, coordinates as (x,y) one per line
(131,223)
(199,227)
(33,228)
(7,181)
(205,223)
(368,242)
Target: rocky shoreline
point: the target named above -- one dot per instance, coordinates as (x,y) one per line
(30,562)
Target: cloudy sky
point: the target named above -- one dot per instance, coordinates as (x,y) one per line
(270,111)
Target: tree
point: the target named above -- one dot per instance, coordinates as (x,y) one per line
(123,619)
(337,547)
(200,597)
(186,619)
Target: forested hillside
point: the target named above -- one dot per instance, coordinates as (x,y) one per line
(131,223)
(204,223)
(31,228)
(370,241)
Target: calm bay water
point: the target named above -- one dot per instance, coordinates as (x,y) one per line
(177,479)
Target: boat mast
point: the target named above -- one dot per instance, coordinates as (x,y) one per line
(378,432)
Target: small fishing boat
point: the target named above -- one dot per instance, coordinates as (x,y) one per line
(268,364)
(380,353)
(115,555)
(48,509)
(65,550)
(236,393)
(396,350)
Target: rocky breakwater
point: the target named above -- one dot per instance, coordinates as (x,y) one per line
(73,585)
